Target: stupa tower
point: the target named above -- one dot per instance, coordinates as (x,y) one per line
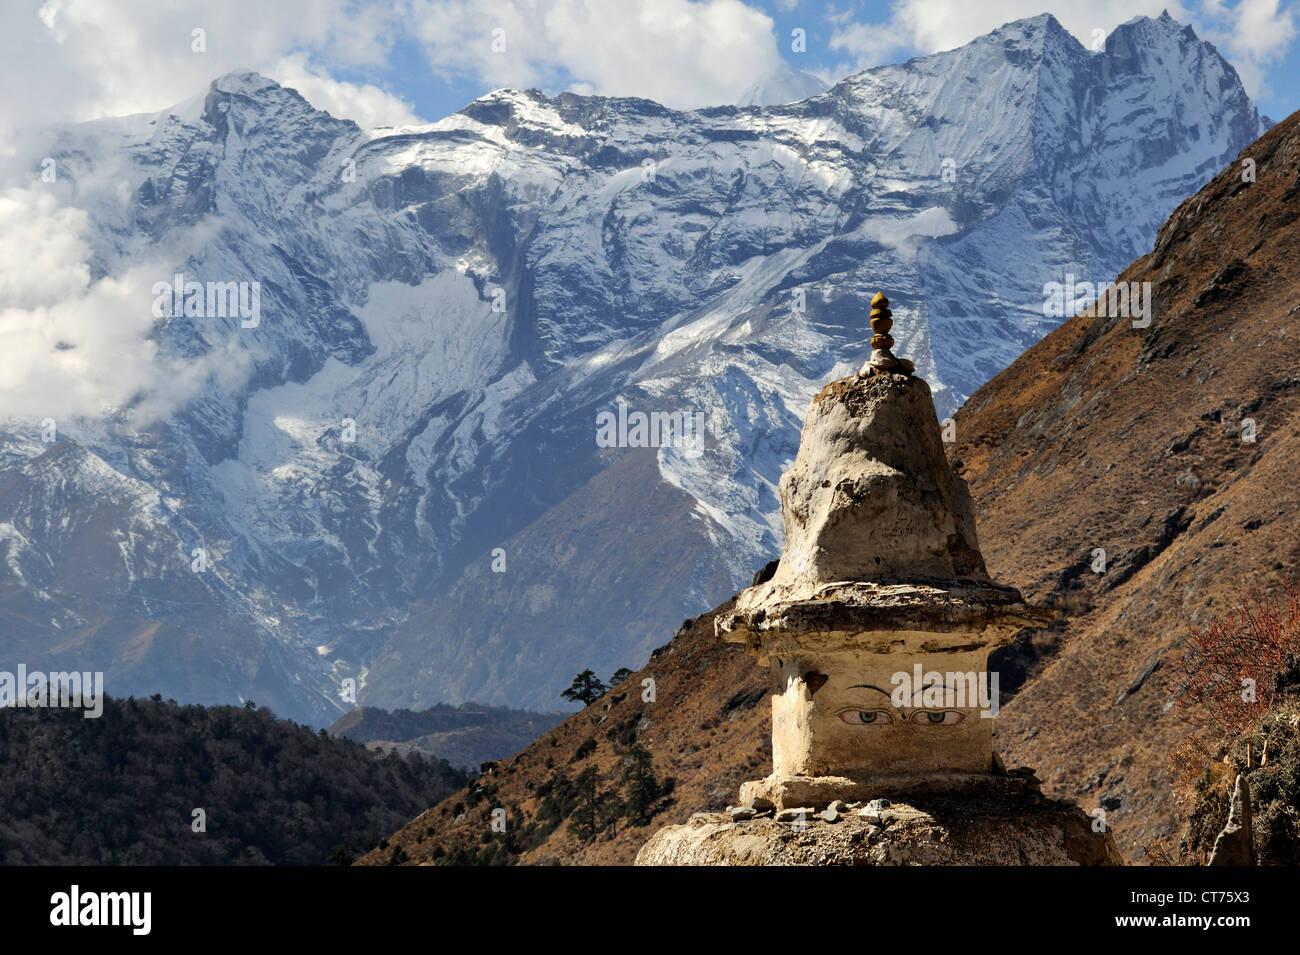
(876,628)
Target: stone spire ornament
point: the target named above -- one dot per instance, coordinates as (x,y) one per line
(882,360)
(875,628)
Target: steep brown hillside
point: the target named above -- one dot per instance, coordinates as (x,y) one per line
(1101,436)
(1131,440)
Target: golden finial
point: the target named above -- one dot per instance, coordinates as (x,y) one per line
(882,360)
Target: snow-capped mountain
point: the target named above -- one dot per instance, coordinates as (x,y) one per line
(402,474)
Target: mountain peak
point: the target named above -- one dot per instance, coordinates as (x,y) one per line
(243,81)
(1146,28)
(1164,22)
(1143,44)
(247,92)
(1042,25)
(1039,21)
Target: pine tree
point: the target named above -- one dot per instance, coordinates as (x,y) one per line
(585,689)
(640,786)
(595,811)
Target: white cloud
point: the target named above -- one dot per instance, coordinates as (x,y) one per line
(84,59)
(1252,34)
(905,236)
(1261,26)
(41,249)
(76,346)
(366,105)
(683,53)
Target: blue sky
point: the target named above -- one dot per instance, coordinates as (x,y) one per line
(406,61)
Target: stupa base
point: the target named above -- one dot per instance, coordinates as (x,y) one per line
(818,792)
(940,829)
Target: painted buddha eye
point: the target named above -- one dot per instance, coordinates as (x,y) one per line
(938,717)
(867,717)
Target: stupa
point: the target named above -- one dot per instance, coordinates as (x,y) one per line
(876,628)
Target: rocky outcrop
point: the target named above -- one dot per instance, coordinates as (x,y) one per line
(1236,843)
(938,831)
